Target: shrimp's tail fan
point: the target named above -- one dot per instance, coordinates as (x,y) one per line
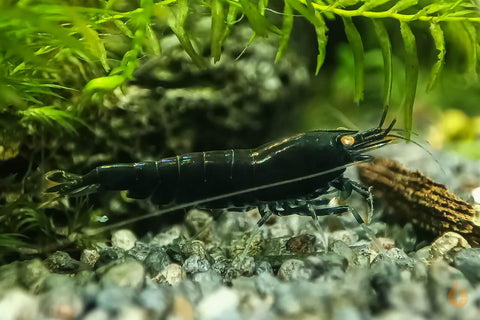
(61,183)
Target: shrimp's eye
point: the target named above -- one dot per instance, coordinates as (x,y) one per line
(347,140)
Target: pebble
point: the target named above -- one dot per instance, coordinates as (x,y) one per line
(54,281)
(156,260)
(341,249)
(9,275)
(293,299)
(171,274)
(220,267)
(18,305)
(410,296)
(294,269)
(124,239)
(156,299)
(208,281)
(384,274)
(32,275)
(190,290)
(199,224)
(132,313)
(220,305)
(266,284)
(398,257)
(263,266)
(168,237)
(140,250)
(182,308)
(113,298)
(348,237)
(329,265)
(406,238)
(446,247)
(347,312)
(304,243)
(61,262)
(109,255)
(362,255)
(195,264)
(89,257)
(442,278)
(238,245)
(468,262)
(97,314)
(241,266)
(197,248)
(63,304)
(128,274)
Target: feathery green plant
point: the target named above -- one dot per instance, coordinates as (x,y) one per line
(434,15)
(48,40)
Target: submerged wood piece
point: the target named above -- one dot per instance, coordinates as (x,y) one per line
(421,201)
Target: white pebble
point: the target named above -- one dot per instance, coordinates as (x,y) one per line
(124,239)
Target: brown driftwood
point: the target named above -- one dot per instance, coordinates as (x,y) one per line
(421,201)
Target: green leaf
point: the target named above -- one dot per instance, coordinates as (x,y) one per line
(218,29)
(436,7)
(12,241)
(411,75)
(231,19)
(176,22)
(262,4)
(370,4)
(439,39)
(104,83)
(286,30)
(50,115)
(471,46)
(153,41)
(90,37)
(318,22)
(345,3)
(259,23)
(358,56)
(402,5)
(386,47)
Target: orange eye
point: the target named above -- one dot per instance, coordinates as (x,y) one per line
(347,140)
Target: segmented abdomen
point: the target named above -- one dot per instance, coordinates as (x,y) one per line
(200,175)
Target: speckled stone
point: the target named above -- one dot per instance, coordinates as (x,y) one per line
(128,274)
(61,262)
(197,248)
(195,264)
(89,257)
(294,269)
(156,260)
(446,247)
(124,239)
(171,274)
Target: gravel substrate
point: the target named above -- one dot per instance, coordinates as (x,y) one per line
(196,270)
